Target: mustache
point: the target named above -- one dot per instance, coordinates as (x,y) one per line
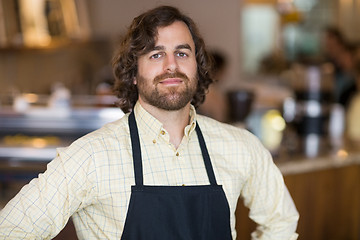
(163,76)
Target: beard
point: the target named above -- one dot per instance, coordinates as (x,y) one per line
(170,98)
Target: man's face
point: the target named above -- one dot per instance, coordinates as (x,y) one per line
(167,75)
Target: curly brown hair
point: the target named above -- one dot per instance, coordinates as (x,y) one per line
(140,39)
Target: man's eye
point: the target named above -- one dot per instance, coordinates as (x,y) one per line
(156,56)
(181,54)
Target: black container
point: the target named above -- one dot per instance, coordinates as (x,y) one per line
(240,103)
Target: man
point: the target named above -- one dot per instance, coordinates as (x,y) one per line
(149,175)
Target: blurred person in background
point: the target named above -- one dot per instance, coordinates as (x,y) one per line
(333,43)
(353,114)
(340,53)
(216,103)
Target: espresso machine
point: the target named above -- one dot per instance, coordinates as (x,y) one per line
(308,111)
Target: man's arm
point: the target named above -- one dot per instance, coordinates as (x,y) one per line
(43,207)
(269,201)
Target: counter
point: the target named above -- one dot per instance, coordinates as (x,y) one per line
(330,161)
(35,134)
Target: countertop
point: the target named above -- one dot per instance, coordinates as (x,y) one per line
(336,159)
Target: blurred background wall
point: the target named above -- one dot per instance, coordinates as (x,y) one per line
(246,31)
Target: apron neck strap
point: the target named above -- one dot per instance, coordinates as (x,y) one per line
(206,156)
(136,150)
(137,159)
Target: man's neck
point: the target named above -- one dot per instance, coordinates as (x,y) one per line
(173,121)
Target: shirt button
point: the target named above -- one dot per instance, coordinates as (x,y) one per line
(154,141)
(177,154)
(162,132)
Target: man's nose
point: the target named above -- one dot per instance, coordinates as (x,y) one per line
(170,63)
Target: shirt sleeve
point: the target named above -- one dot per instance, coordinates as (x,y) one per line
(43,207)
(268,199)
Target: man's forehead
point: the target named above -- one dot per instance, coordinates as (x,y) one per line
(177,47)
(185,39)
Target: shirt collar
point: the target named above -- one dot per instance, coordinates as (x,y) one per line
(148,124)
(192,123)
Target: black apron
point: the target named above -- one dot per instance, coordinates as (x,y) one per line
(175,212)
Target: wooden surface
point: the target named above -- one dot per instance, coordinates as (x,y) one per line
(328,202)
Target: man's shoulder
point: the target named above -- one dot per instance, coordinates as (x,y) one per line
(213,127)
(112,139)
(112,130)
(229,139)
